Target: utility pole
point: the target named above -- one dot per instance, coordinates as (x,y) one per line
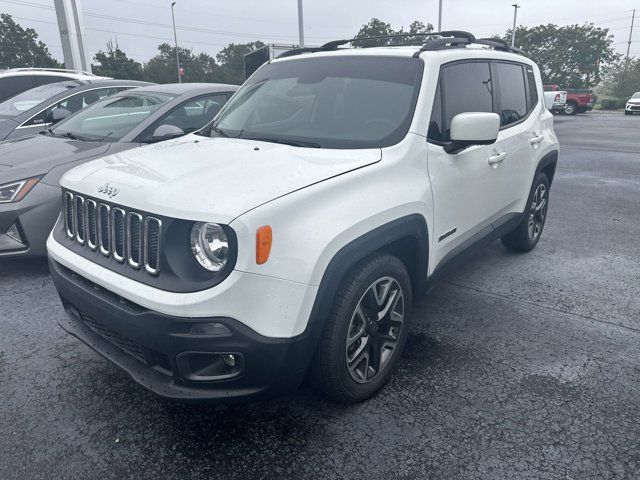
(440,16)
(633,19)
(71,27)
(300,24)
(515,19)
(175,39)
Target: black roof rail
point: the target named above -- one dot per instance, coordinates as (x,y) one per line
(434,41)
(333,45)
(499,44)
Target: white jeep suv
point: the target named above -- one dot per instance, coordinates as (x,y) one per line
(290,237)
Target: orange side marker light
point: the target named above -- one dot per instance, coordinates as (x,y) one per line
(264,236)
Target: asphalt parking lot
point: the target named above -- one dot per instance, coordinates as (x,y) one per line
(518,366)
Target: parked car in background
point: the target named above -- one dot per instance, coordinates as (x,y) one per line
(32,111)
(578,100)
(17,80)
(555,101)
(291,235)
(31,167)
(633,105)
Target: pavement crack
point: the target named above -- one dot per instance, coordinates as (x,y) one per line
(546,307)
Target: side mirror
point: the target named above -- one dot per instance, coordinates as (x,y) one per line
(59,114)
(472,128)
(166,132)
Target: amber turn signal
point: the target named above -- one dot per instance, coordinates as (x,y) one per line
(264,236)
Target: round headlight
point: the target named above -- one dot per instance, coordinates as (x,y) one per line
(210,246)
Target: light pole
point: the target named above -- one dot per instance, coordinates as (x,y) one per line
(300,24)
(515,19)
(440,16)
(175,39)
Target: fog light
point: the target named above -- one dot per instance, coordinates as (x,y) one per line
(229,359)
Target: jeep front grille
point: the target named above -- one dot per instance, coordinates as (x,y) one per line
(115,232)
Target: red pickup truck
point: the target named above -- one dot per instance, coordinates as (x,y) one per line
(578,100)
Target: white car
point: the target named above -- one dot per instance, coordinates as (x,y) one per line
(556,101)
(292,235)
(18,80)
(633,105)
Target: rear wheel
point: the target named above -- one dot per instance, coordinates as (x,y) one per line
(570,109)
(365,334)
(525,236)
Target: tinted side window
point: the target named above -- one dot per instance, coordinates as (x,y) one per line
(513,96)
(46,79)
(435,132)
(467,88)
(533,88)
(190,116)
(80,101)
(11,86)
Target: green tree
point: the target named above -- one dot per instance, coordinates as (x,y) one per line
(377,28)
(621,79)
(197,68)
(114,63)
(569,56)
(231,60)
(20,47)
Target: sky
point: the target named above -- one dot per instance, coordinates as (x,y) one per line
(139,26)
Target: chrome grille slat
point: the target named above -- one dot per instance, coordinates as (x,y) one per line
(79,219)
(152,229)
(114,231)
(134,239)
(69,222)
(104,229)
(91,222)
(118,233)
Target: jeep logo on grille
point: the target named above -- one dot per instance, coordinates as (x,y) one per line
(109,190)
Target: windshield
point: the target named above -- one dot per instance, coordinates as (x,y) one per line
(30,98)
(636,95)
(112,118)
(330,102)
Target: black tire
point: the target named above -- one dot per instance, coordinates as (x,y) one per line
(521,238)
(329,371)
(570,109)
(627,113)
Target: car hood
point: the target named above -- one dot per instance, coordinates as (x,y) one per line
(36,155)
(210,179)
(634,101)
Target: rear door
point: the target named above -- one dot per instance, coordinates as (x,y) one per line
(520,133)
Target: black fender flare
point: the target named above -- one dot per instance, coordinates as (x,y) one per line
(411,228)
(548,163)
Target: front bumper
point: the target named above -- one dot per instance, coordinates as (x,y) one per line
(33,218)
(172,356)
(633,107)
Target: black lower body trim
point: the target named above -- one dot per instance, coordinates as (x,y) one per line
(181,358)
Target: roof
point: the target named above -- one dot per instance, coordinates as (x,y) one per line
(73,74)
(184,88)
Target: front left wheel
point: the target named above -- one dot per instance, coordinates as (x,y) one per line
(366,331)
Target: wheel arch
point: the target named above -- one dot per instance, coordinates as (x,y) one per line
(547,165)
(406,238)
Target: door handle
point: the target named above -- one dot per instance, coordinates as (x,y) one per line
(495,159)
(536,140)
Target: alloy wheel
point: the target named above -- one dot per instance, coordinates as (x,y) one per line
(537,212)
(374,329)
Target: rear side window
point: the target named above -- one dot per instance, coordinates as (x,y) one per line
(533,88)
(10,86)
(46,79)
(513,94)
(467,87)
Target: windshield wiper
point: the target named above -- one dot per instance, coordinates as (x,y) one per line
(286,141)
(219,131)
